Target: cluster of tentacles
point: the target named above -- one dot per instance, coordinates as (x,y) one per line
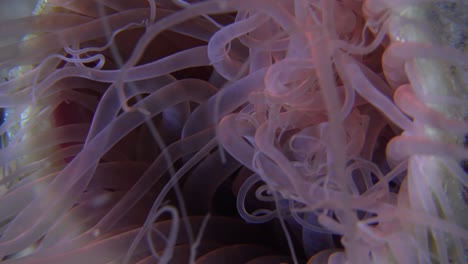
(230,131)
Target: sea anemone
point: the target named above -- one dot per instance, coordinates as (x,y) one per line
(235,131)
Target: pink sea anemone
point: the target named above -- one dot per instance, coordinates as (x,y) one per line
(235,131)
